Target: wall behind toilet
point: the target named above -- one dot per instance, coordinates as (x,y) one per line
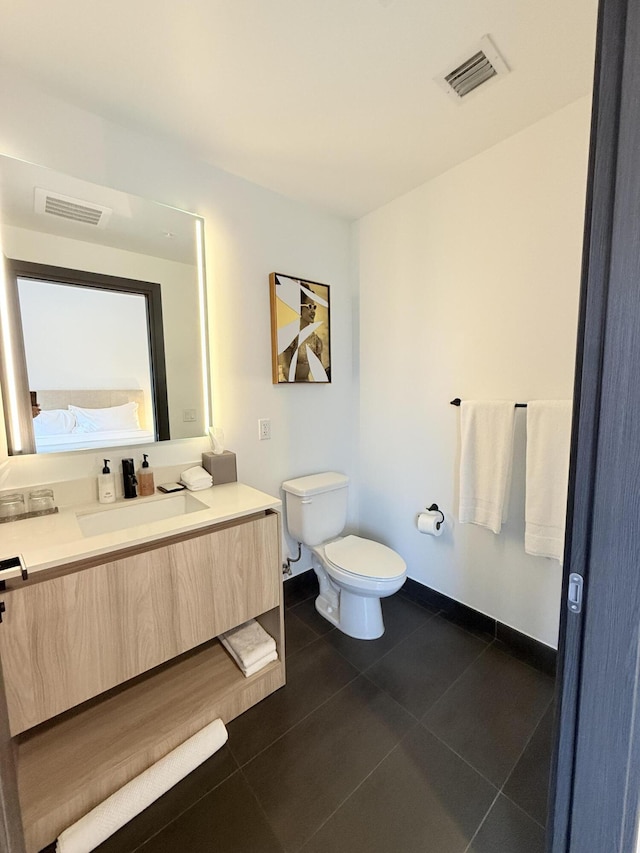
(468,286)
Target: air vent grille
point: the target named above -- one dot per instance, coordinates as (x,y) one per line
(55,204)
(479,66)
(471,74)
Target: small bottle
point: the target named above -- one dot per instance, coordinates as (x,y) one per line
(106,485)
(146,485)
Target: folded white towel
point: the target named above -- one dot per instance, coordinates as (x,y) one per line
(249,641)
(260,664)
(548,446)
(198,487)
(255,667)
(486,430)
(196,476)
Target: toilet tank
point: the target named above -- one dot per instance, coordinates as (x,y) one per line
(316,507)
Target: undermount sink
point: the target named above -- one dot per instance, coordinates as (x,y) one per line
(130,515)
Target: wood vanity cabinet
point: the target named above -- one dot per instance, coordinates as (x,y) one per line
(109,664)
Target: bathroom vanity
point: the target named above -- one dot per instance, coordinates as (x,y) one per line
(109,651)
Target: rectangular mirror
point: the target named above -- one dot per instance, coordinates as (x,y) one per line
(102,315)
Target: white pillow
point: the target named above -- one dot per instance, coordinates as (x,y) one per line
(54,422)
(99,420)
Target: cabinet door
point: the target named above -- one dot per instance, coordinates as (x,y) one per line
(68,639)
(221,580)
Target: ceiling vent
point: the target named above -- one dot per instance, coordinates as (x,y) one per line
(55,204)
(483,64)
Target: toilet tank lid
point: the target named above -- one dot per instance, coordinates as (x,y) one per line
(315,484)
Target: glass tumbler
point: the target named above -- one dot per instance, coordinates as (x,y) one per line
(11,505)
(41,500)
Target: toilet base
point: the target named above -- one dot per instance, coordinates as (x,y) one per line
(357,616)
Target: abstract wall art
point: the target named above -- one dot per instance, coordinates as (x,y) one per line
(300,330)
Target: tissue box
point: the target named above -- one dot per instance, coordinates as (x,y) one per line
(221,466)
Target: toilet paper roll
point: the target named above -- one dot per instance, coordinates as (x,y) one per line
(431,524)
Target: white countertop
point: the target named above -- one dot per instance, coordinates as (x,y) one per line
(53,540)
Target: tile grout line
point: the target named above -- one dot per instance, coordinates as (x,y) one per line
(368,667)
(529,739)
(461,757)
(184,811)
(481,824)
(535,729)
(495,641)
(393,648)
(524,811)
(415,630)
(358,786)
(415,720)
(393,698)
(359,672)
(507,650)
(301,720)
(453,683)
(261,809)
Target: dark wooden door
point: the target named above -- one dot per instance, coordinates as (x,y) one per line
(596,783)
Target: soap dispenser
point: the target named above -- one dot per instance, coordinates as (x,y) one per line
(106,485)
(129,480)
(145,478)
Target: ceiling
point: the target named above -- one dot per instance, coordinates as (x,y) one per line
(331,102)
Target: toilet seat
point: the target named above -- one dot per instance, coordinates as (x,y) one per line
(364,558)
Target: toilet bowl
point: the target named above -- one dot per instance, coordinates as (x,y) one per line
(354,573)
(358,573)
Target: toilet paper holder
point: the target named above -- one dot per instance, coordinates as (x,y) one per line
(436,508)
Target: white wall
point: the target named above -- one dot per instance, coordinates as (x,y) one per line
(250,232)
(468,287)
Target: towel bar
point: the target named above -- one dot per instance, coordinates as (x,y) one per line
(457,402)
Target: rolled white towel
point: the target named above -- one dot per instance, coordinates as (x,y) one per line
(107,817)
(250,643)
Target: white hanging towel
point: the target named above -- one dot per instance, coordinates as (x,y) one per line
(486,429)
(547,478)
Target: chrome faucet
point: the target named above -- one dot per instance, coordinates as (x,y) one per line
(129,479)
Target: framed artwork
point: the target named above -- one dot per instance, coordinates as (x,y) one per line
(300,330)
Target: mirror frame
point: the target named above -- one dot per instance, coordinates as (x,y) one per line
(151,292)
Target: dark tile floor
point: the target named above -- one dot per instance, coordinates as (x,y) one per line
(430,739)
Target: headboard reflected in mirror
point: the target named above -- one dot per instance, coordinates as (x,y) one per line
(87,419)
(69,248)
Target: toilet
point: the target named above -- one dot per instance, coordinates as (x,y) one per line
(354,573)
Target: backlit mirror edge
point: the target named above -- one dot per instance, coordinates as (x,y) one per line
(28,469)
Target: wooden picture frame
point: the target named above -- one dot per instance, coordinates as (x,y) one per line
(300,330)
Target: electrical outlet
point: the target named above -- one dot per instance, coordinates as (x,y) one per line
(264,429)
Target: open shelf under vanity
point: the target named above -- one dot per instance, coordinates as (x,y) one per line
(132,712)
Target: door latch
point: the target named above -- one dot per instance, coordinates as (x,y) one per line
(574,596)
